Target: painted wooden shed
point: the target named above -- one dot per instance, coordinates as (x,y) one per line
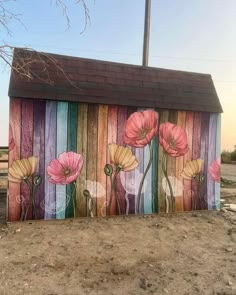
(107,138)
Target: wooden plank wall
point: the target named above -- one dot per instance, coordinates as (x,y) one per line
(47,128)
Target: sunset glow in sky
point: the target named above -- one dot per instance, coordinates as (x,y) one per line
(189,35)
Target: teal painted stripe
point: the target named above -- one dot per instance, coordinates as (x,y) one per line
(155,175)
(218,152)
(62,114)
(71,146)
(148,180)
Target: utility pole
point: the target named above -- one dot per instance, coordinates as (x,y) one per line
(146,32)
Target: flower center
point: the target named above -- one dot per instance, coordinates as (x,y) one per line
(66,172)
(142,133)
(172,144)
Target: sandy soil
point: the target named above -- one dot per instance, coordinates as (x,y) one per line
(191,253)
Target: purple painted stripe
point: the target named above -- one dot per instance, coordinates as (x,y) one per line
(211,157)
(50,154)
(38,150)
(204,155)
(26,144)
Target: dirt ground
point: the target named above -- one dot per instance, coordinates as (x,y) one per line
(191,253)
(179,254)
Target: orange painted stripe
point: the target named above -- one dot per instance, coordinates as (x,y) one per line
(111,138)
(179,204)
(102,160)
(187,157)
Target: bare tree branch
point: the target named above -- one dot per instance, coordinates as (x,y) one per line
(22,65)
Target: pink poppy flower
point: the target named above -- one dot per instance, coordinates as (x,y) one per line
(66,168)
(11,143)
(214,170)
(173,139)
(140,128)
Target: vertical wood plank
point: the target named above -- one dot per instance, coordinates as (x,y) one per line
(112,138)
(171,161)
(26,144)
(62,116)
(155,145)
(218,152)
(39,151)
(14,188)
(122,118)
(50,154)
(71,146)
(163,117)
(211,157)
(130,178)
(204,155)
(102,158)
(187,157)
(92,149)
(196,154)
(82,134)
(179,201)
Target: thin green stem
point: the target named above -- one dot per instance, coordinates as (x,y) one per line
(73,195)
(115,191)
(111,195)
(31,192)
(164,169)
(138,205)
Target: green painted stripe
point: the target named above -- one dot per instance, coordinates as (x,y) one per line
(62,113)
(71,146)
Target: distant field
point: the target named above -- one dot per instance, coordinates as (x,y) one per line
(228,171)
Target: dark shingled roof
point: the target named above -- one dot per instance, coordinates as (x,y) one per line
(95,81)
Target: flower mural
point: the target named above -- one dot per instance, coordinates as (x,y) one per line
(177,189)
(192,170)
(144,161)
(23,171)
(173,140)
(65,170)
(141,128)
(214,170)
(122,157)
(123,160)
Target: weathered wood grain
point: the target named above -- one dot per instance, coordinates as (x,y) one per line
(39,151)
(26,144)
(188,157)
(204,155)
(14,210)
(92,155)
(163,117)
(102,159)
(71,146)
(62,117)
(121,121)
(50,154)
(179,202)
(82,137)
(111,138)
(211,158)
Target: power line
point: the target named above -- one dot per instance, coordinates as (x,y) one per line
(221,60)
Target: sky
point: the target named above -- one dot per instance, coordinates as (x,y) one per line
(189,35)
